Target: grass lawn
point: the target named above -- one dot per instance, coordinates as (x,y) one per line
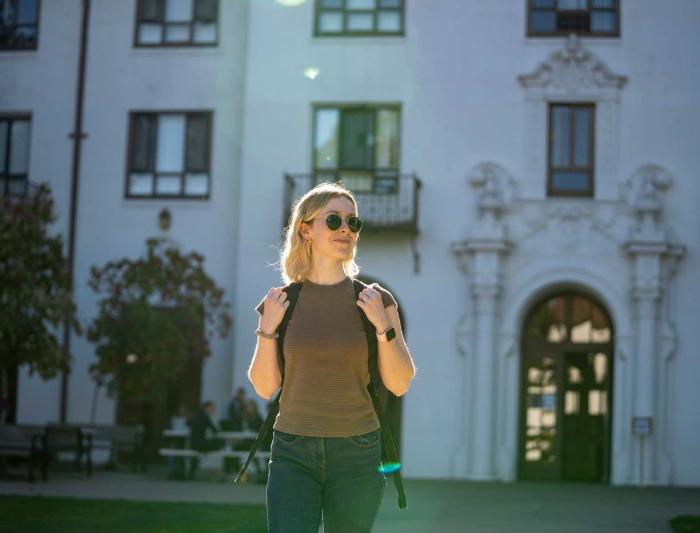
(37,513)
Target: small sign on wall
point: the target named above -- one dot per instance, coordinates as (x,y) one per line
(642,425)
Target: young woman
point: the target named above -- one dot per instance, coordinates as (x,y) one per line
(326,447)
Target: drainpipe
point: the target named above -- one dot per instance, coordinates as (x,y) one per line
(77,135)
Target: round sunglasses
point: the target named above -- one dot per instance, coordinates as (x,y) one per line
(333,221)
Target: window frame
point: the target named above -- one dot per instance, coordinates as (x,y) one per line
(208,113)
(374,107)
(163,24)
(5,178)
(565,33)
(36,42)
(364,33)
(589,192)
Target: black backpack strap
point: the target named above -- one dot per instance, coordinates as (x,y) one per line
(292,291)
(373,388)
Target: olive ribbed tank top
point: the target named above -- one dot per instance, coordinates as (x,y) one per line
(326,374)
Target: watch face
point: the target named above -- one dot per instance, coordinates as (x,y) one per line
(390,334)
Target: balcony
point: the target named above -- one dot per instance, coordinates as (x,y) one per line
(387,202)
(17,189)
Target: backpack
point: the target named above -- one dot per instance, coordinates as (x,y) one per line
(376,389)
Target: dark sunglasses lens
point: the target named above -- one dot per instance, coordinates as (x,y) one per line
(333,221)
(355,224)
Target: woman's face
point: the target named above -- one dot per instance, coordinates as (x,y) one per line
(334,244)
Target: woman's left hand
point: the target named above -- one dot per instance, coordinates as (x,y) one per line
(372,304)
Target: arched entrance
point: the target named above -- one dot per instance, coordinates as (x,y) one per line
(566,390)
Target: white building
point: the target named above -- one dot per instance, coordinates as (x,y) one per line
(529,196)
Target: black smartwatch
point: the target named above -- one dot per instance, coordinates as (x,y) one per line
(387,335)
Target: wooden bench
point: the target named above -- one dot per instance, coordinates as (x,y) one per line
(70,438)
(24,442)
(119,438)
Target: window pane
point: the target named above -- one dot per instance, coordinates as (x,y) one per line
(141,183)
(551,4)
(560,136)
(332,4)
(27,12)
(573,4)
(605,4)
(389,21)
(204,32)
(206,10)
(142,147)
(178,10)
(390,3)
(359,4)
(360,22)
(168,184)
(543,21)
(151,10)
(582,124)
(196,184)
(19,147)
(177,33)
(197,143)
(4,127)
(326,142)
(171,133)
(150,33)
(357,181)
(356,142)
(570,181)
(387,142)
(603,22)
(330,22)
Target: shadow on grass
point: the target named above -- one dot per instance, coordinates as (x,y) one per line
(38,513)
(685,524)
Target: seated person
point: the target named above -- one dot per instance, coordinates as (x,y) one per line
(200,423)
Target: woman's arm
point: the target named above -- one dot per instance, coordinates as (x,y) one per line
(396,366)
(264,372)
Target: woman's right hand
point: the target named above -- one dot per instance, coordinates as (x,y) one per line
(274,307)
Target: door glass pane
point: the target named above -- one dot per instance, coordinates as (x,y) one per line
(547,322)
(551,4)
(205,10)
(178,10)
(27,12)
(573,4)
(605,4)
(326,141)
(582,124)
(142,142)
(150,33)
(570,181)
(541,415)
(543,21)
(168,184)
(597,402)
(151,10)
(387,143)
(177,33)
(141,183)
(571,402)
(171,134)
(560,136)
(196,184)
(19,147)
(330,22)
(204,32)
(600,367)
(356,145)
(360,21)
(603,22)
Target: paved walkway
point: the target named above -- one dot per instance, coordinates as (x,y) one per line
(433,506)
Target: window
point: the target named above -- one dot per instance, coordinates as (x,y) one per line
(584,17)
(19,24)
(177,23)
(14,155)
(571,150)
(359,145)
(169,155)
(359,17)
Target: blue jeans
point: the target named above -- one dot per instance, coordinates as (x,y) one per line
(338,475)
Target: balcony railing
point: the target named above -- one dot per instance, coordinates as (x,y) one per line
(17,189)
(386,202)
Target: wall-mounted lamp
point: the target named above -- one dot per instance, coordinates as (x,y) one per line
(164,219)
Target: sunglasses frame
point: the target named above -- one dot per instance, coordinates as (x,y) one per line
(332,225)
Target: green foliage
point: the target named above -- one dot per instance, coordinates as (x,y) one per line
(155,313)
(35,286)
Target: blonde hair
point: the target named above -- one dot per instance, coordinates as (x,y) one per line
(295,258)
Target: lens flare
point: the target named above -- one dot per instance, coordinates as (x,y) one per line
(389,468)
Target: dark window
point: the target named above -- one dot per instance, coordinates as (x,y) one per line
(177,23)
(583,17)
(169,155)
(359,17)
(571,134)
(358,145)
(14,155)
(19,24)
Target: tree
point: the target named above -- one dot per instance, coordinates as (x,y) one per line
(35,288)
(155,316)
